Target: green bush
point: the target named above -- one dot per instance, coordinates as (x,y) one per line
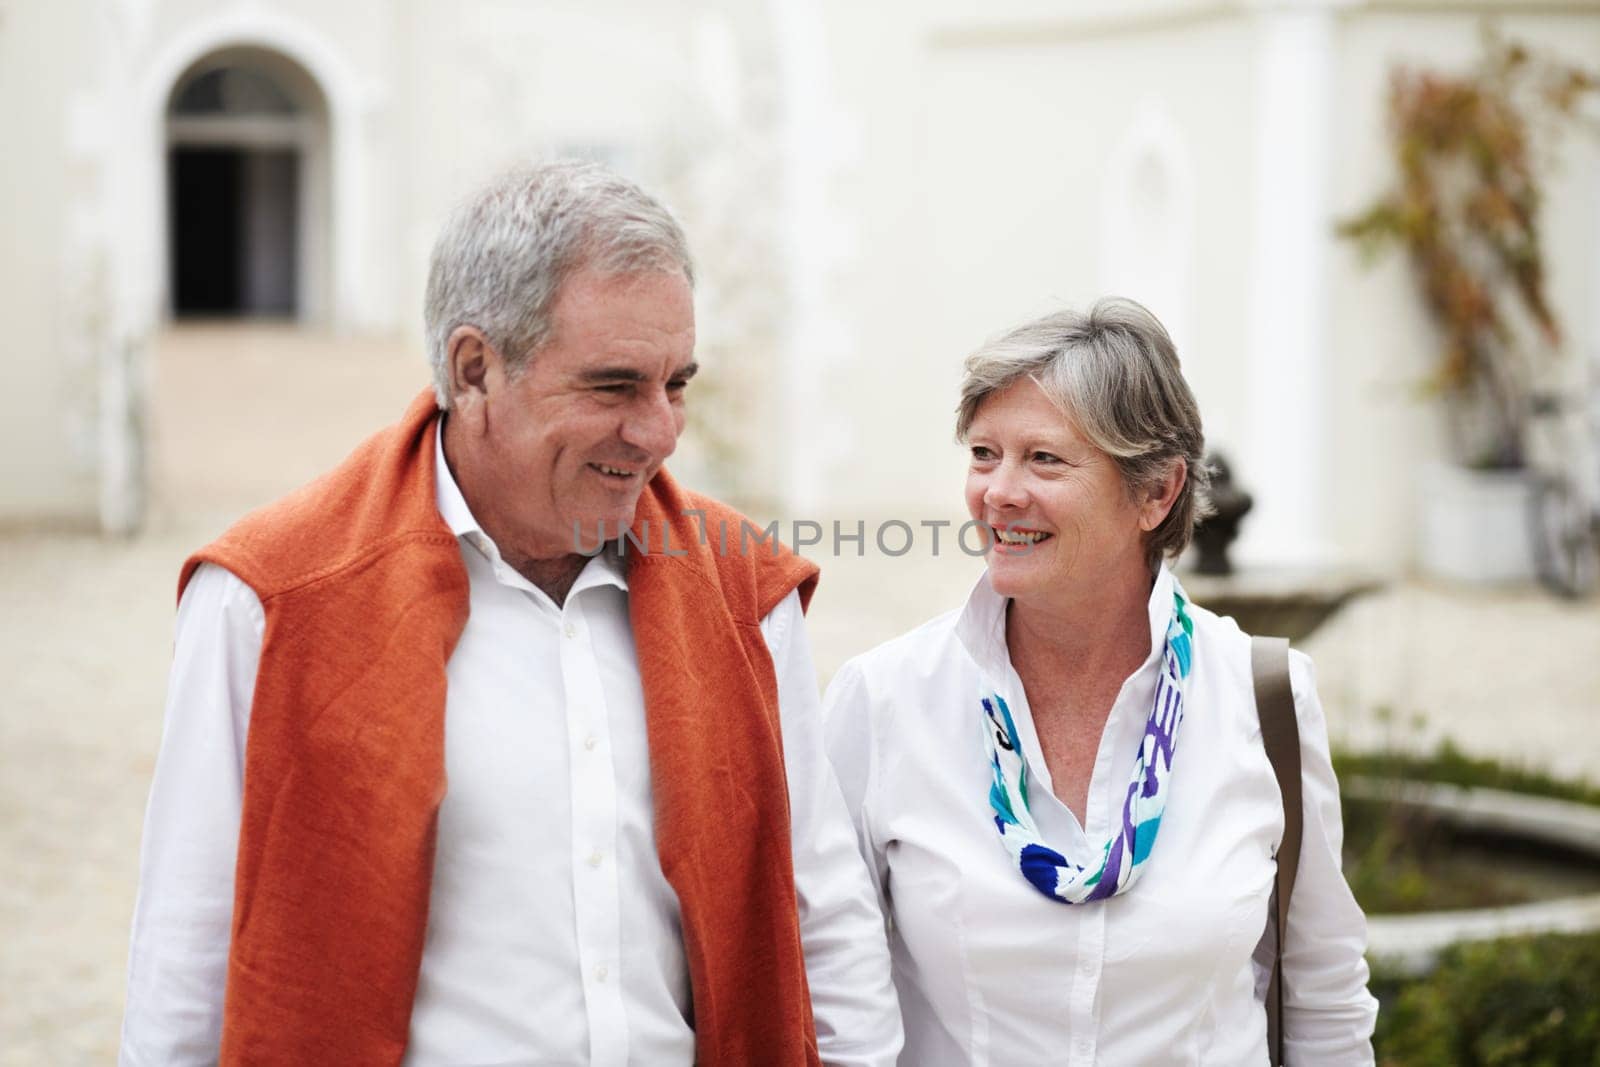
(1532,1002)
(1449,765)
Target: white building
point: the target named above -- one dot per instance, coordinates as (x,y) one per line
(871,190)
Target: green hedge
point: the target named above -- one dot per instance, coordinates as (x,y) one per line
(1532,1002)
(1449,765)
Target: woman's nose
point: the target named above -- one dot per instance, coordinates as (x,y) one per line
(1005,489)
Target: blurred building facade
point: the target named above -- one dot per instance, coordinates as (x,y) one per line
(870,189)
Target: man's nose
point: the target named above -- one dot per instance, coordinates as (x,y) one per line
(652,426)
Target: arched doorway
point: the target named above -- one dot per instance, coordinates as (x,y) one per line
(247,177)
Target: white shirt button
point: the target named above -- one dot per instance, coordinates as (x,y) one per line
(600,973)
(595,858)
(570,630)
(1087,965)
(589,742)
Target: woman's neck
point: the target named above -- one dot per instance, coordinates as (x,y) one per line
(1105,631)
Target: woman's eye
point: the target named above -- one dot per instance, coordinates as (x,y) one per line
(981,454)
(1046,457)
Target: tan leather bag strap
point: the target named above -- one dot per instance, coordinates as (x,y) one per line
(1280,735)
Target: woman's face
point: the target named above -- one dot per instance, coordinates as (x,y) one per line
(1061,521)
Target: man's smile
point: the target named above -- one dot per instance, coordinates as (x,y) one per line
(615,473)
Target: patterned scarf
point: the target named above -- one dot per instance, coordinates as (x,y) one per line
(1122,858)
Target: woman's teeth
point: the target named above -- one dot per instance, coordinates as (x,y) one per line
(1020,537)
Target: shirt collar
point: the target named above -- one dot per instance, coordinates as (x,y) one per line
(981,627)
(602,569)
(452,505)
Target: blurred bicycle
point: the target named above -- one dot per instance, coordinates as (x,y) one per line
(1565,516)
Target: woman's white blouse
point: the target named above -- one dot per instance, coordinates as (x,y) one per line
(989,971)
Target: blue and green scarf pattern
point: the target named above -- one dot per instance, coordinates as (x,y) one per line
(1123,857)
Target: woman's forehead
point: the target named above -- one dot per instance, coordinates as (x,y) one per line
(1023,407)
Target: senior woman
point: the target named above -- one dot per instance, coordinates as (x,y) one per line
(1060,788)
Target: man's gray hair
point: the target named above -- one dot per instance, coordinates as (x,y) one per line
(1114,373)
(505,251)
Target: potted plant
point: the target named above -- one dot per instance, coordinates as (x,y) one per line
(1465,209)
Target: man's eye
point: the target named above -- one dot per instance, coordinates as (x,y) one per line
(614,388)
(677,385)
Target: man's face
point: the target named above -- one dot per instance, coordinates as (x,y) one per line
(573,440)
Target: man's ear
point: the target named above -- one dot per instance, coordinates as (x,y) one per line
(475,367)
(1158,503)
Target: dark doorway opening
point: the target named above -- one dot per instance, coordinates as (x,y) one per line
(235,226)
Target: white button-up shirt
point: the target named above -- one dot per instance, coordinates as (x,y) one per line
(990,971)
(553,936)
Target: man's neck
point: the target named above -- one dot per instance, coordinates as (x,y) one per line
(554,576)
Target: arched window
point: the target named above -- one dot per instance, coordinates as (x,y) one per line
(232,91)
(247,164)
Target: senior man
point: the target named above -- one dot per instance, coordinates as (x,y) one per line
(438,787)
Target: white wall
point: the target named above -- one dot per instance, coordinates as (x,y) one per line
(48,297)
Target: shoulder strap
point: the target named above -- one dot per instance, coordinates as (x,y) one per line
(1280,735)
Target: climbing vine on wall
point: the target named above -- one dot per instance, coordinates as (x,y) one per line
(1470,150)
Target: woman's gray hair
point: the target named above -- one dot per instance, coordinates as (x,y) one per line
(505,252)
(1114,373)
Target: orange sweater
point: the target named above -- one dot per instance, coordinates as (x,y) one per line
(365,596)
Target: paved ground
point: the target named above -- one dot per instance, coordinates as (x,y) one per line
(242,415)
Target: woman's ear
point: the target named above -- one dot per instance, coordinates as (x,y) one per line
(1157,504)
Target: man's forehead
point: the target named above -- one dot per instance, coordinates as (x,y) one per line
(620,291)
(596,301)
(621,327)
